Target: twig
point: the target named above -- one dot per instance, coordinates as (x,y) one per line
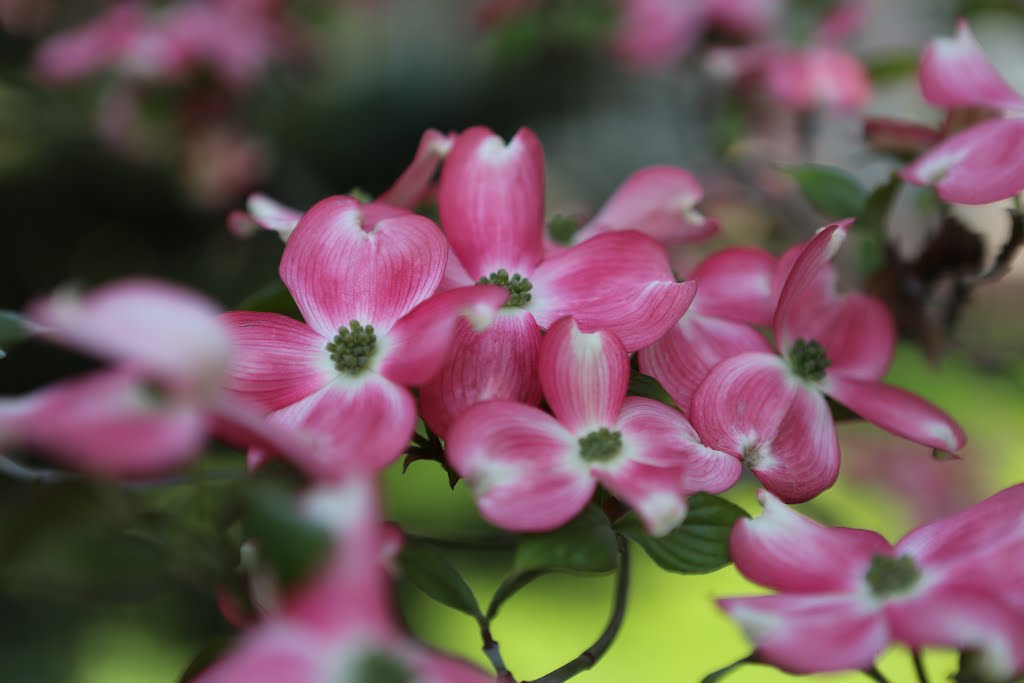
(876,675)
(922,675)
(589,657)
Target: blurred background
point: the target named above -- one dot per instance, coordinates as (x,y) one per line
(122,153)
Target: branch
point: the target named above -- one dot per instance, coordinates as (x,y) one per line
(876,675)
(922,675)
(591,655)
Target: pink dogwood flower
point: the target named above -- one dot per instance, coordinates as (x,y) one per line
(985,162)
(660,201)
(491,201)
(845,594)
(770,410)
(364,278)
(530,471)
(340,626)
(150,413)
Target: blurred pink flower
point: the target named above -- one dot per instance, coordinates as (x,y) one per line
(846,594)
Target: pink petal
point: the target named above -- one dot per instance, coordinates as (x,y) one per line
(659,201)
(818,77)
(277,360)
(685,355)
(108,423)
(859,336)
(980,528)
(736,284)
(491,201)
(340,266)
(981,165)
(842,21)
(271,653)
(584,375)
(361,426)
(900,137)
(620,281)
(655,33)
(751,407)
(521,465)
(270,214)
(804,283)
(898,412)
(419,344)
(954,72)
(663,462)
(435,668)
(965,619)
(786,551)
(811,633)
(163,328)
(79,52)
(499,363)
(414,185)
(746,18)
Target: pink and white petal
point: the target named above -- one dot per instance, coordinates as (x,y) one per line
(272,653)
(784,550)
(491,201)
(954,72)
(108,423)
(897,411)
(751,407)
(655,33)
(736,284)
(966,619)
(659,201)
(811,633)
(270,214)
(653,492)
(859,336)
(420,343)
(620,281)
(521,464)
(802,459)
(499,363)
(685,355)
(161,327)
(247,426)
(341,266)
(277,360)
(979,529)
(414,185)
(805,281)
(362,427)
(980,165)
(78,53)
(584,375)
(455,274)
(660,436)
(432,667)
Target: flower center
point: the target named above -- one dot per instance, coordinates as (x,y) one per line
(352,348)
(892,575)
(379,667)
(518,287)
(808,359)
(600,446)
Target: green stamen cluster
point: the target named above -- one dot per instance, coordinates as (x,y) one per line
(808,360)
(892,575)
(600,446)
(518,287)
(352,348)
(380,667)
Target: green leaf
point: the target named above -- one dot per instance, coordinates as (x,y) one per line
(431,572)
(648,387)
(273,298)
(13,329)
(831,191)
(871,224)
(584,545)
(697,546)
(292,544)
(891,66)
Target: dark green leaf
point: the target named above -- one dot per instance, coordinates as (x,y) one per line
(841,413)
(431,572)
(648,387)
(891,66)
(274,298)
(697,546)
(13,329)
(723,672)
(831,191)
(209,654)
(871,224)
(292,544)
(585,545)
